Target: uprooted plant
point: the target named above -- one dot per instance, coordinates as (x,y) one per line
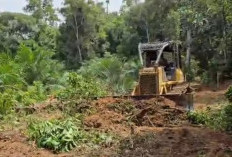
(63,136)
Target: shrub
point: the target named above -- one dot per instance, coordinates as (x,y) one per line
(228,94)
(198,117)
(205,78)
(63,135)
(27,76)
(117,75)
(192,73)
(37,64)
(220,119)
(79,87)
(33,94)
(6,102)
(226,115)
(209,76)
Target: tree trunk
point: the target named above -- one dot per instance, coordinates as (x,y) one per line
(188,54)
(147,32)
(224,25)
(77,37)
(79,52)
(78,45)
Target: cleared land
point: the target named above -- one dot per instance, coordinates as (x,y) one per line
(153,127)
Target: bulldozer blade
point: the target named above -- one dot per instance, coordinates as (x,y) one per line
(182,100)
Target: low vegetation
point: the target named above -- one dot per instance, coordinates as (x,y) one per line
(78,87)
(219,119)
(63,136)
(228,94)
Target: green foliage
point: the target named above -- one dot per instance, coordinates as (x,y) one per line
(9,73)
(64,135)
(47,37)
(6,103)
(28,77)
(14,29)
(193,72)
(82,34)
(117,75)
(198,117)
(229,94)
(79,87)
(227,118)
(220,119)
(205,78)
(32,95)
(42,10)
(58,136)
(37,64)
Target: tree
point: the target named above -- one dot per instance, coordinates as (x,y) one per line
(42,10)
(47,37)
(14,28)
(81,32)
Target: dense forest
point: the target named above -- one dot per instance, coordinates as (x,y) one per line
(82,50)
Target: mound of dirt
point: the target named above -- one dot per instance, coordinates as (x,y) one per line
(181,142)
(158,113)
(119,115)
(108,121)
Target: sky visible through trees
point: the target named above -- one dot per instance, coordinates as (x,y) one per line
(17,5)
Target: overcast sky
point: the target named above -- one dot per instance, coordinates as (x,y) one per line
(17,5)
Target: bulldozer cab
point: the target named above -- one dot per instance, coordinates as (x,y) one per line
(162,54)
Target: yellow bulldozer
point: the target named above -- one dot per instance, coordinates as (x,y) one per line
(162,73)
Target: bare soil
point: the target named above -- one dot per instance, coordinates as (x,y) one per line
(111,115)
(14,144)
(208,96)
(152,127)
(181,142)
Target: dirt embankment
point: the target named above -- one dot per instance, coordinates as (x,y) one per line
(123,116)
